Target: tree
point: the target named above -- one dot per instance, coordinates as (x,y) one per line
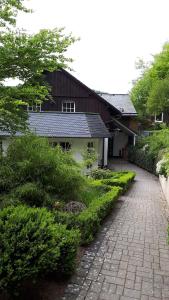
(150,93)
(26,57)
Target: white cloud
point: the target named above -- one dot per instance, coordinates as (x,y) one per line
(113,34)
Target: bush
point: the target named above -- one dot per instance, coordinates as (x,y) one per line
(30,159)
(101,173)
(148,150)
(122,179)
(31,194)
(89,220)
(32,244)
(143,159)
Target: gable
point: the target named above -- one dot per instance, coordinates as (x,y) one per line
(64,85)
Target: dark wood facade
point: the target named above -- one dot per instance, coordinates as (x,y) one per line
(66,87)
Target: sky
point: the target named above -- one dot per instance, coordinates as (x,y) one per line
(113,35)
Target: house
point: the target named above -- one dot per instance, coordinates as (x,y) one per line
(78,118)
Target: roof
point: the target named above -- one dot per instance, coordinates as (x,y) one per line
(72,125)
(93,92)
(123,127)
(121,101)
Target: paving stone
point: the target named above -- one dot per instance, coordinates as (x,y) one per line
(129,258)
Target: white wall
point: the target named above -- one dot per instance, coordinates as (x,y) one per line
(5,144)
(78,145)
(165,186)
(120,141)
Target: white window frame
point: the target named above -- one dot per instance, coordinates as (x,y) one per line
(36,107)
(66,108)
(159,121)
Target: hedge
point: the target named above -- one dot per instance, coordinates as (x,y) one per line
(122,179)
(145,160)
(32,245)
(90,219)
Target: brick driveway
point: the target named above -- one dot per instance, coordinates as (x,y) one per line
(129,258)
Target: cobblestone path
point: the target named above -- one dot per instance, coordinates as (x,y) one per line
(129,258)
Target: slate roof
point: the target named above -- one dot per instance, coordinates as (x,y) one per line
(73,125)
(121,101)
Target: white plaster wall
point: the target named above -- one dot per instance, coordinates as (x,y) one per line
(165,186)
(120,141)
(78,146)
(5,144)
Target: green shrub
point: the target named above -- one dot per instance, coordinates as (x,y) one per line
(148,150)
(30,159)
(31,194)
(89,220)
(6,177)
(122,179)
(32,245)
(101,173)
(143,159)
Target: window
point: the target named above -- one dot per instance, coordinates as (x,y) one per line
(90,145)
(68,106)
(66,146)
(36,107)
(159,118)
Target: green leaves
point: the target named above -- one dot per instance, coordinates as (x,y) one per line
(9,10)
(150,94)
(26,57)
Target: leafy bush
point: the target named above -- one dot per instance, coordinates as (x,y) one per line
(30,159)
(149,150)
(31,194)
(145,160)
(89,220)
(101,173)
(32,244)
(122,179)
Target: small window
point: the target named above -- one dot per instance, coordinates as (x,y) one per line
(90,146)
(68,106)
(36,107)
(159,118)
(66,146)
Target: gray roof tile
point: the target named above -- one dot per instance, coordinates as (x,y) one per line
(121,101)
(56,124)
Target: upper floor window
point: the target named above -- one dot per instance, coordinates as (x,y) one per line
(159,118)
(68,106)
(35,107)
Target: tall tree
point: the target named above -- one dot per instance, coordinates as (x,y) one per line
(150,93)
(25,57)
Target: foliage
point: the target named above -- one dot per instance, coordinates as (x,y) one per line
(32,244)
(88,221)
(89,157)
(143,159)
(101,173)
(150,149)
(122,179)
(26,57)
(150,94)
(32,195)
(53,171)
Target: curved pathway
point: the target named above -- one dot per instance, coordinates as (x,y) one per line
(129,258)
